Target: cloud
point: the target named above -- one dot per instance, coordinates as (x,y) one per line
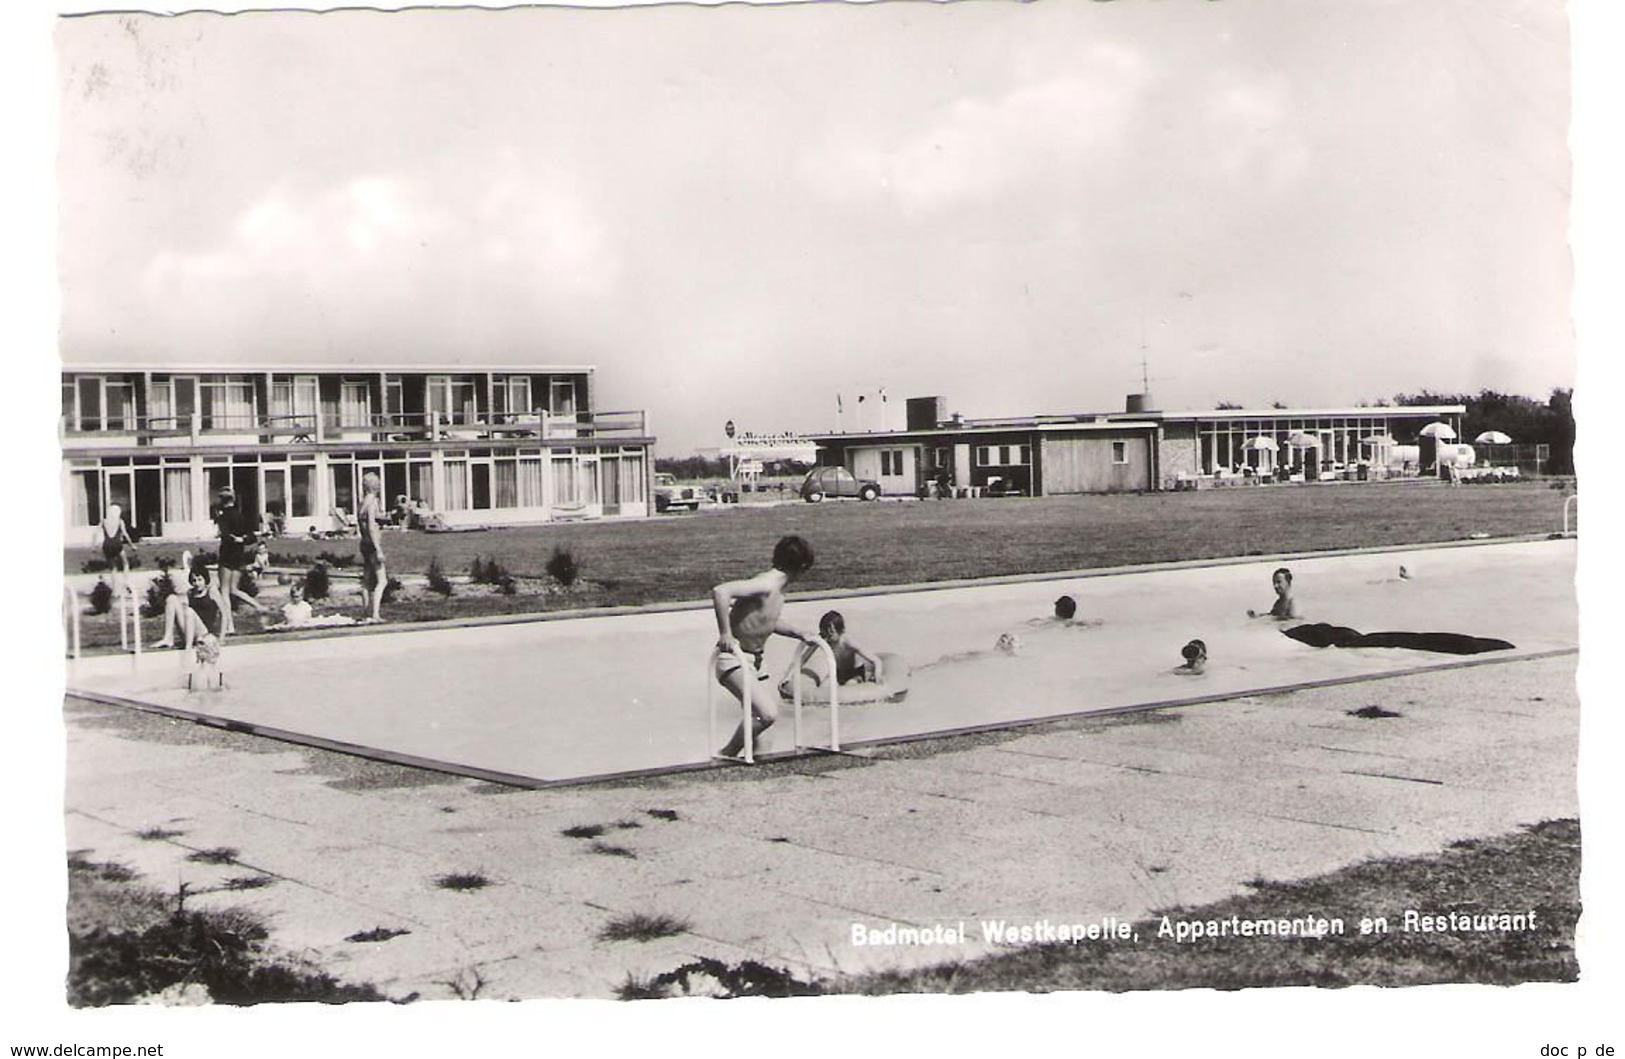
(978,149)
(375,247)
(1251,122)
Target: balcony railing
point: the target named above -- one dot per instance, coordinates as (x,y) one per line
(313,429)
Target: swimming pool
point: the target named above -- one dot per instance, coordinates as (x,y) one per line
(566,700)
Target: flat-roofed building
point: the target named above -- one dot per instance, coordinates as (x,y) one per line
(1140,449)
(471,445)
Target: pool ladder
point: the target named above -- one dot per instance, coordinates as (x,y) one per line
(712,686)
(129,620)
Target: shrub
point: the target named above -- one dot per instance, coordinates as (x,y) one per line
(158,593)
(509,586)
(392,588)
(483,571)
(101,597)
(317,582)
(334,559)
(438,581)
(562,566)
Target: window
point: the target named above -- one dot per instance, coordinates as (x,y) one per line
(512,395)
(454,485)
(293,401)
(104,403)
(177,494)
(563,397)
(228,402)
(355,405)
(984,455)
(451,399)
(1119,452)
(891,462)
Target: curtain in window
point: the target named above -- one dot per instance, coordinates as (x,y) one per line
(421,477)
(355,410)
(82,498)
(506,473)
(632,480)
(177,495)
(454,486)
(564,482)
(161,406)
(530,482)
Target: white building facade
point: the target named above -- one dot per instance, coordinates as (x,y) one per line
(473,446)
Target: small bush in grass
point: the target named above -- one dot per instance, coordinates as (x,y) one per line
(334,559)
(641,927)
(562,566)
(463,881)
(317,582)
(392,588)
(101,597)
(438,581)
(158,592)
(95,566)
(509,586)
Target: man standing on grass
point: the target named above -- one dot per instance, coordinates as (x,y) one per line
(373,577)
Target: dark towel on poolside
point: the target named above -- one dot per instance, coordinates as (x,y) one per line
(1450,643)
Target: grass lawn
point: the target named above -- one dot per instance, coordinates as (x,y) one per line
(1536,869)
(679,557)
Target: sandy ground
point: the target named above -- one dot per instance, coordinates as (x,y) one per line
(1069,821)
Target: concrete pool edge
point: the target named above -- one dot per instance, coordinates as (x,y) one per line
(907,588)
(538,783)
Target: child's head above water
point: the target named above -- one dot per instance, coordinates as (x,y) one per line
(792,555)
(832,626)
(1281,579)
(1007,644)
(1065,607)
(1194,652)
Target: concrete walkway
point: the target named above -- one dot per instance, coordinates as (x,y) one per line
(1070,821)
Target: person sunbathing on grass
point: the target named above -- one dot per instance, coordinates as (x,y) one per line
(1285,607)
(298,614)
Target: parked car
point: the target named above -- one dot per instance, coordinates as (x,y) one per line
(837,482)
(669,495)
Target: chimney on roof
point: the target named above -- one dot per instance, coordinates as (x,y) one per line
(1140,403)
(925,413)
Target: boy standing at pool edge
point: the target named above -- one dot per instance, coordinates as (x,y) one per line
(748,613)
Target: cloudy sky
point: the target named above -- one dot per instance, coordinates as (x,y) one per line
(739,213)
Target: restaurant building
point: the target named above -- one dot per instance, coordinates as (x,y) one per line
(1142,449)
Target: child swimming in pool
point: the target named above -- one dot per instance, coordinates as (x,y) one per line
(1195,655)
(1285,607)
(1066,613)
(852,662)
(748,613)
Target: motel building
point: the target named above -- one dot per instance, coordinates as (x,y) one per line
(476,446)
(1142,449)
